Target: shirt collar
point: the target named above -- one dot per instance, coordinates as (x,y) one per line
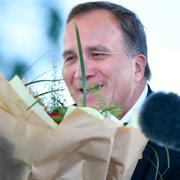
(131,116)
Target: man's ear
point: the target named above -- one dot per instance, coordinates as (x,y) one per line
(139,67)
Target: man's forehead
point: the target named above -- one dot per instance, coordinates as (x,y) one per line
(94,27)
(94,30)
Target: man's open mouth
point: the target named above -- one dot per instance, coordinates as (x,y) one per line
(92,88)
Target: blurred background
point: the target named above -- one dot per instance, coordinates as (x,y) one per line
(31,34)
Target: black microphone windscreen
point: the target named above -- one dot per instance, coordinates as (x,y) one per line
(160,119)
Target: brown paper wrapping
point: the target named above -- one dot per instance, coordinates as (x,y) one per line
(12,104)
(81,148)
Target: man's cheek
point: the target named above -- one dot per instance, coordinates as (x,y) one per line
(65,75)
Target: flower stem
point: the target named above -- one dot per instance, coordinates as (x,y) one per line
(83,73)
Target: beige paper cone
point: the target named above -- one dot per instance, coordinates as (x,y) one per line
(13,104)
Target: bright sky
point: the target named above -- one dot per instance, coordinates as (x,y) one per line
(161,19)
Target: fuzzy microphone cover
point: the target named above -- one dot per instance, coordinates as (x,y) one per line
(160,119)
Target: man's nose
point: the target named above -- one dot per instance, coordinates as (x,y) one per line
(88,69)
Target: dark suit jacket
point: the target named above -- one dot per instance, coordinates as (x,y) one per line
(145,169)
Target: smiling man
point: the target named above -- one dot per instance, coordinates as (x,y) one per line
(115,56)
(108,61)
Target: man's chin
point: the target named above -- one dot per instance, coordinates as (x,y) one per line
(93,103)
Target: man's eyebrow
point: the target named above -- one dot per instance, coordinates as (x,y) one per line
(89,48)
(67,52)
(98,48)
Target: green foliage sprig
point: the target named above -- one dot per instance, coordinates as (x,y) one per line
(105,106)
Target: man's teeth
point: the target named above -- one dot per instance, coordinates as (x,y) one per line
(94,87)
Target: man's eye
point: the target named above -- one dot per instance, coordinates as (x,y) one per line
(99,55)
(70,58)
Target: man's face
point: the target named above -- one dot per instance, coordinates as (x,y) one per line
(109,69)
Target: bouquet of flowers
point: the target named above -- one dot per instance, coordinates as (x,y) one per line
(85,145)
